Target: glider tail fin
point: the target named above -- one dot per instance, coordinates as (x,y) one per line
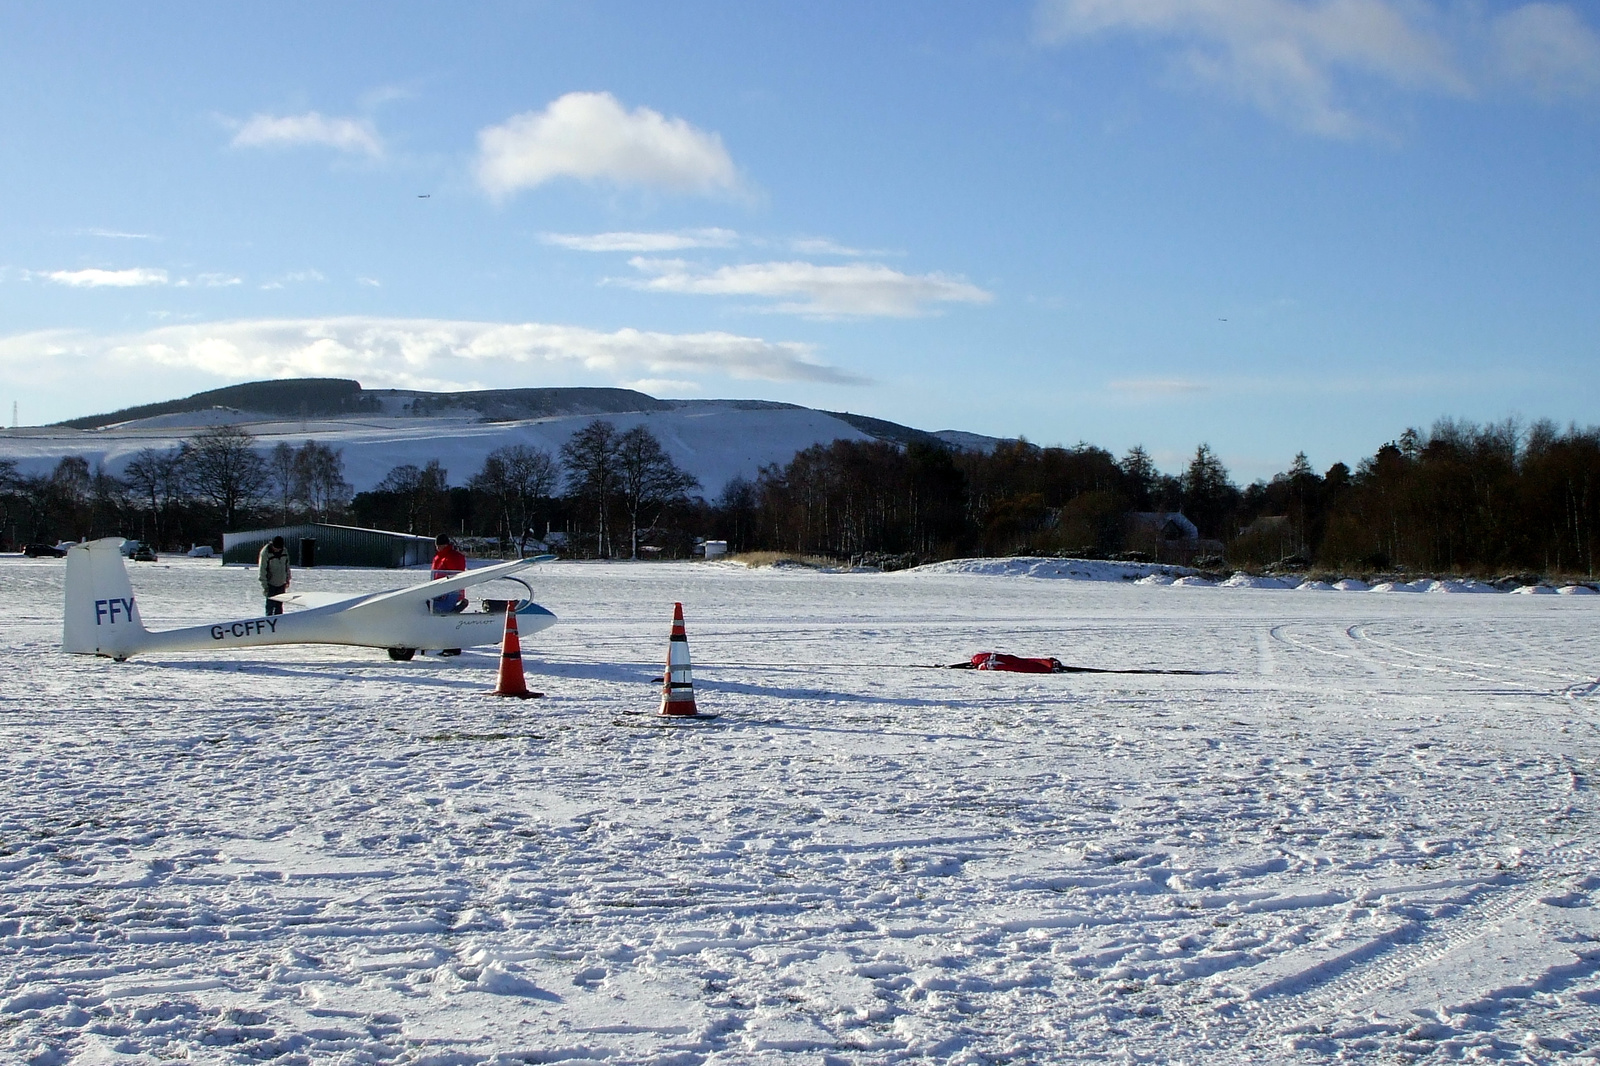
(100,616)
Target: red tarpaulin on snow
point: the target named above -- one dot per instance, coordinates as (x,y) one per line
(996,660)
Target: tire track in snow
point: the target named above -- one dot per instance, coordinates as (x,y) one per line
(1309,1011)
(1359,634)
(1367,663)
(1374,969)
(1361,641)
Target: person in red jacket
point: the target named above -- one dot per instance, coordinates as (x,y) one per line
(448,562)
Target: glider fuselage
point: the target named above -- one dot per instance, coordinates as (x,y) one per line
(401,626)
(102,615)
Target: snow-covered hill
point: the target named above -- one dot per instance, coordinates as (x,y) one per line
(716,440)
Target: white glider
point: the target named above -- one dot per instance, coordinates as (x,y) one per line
(102,617)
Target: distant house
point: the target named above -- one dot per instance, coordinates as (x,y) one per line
(1165,527)
(1267,524)
(333,546)
(1165,536)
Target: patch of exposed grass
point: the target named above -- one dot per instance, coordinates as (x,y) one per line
(755,559)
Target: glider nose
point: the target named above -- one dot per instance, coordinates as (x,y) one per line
(531,618)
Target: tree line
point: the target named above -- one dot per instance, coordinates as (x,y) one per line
(173,498)
(1458,497)
(607,493)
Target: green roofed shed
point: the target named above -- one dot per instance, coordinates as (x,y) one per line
(335,545)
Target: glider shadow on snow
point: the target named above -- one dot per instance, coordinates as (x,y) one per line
(1100,670)
(358,672)
(813,693)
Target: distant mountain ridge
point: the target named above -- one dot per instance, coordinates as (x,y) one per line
(332,397)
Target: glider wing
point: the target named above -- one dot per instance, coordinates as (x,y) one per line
(429,589)
(310,600)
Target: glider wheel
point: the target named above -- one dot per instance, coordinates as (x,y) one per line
(402,655)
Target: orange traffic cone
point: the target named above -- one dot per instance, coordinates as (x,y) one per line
(511,681)
(677,691)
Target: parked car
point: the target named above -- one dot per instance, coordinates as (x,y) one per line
(144,553)
(43,551)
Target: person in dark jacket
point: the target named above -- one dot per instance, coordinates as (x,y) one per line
(273,566)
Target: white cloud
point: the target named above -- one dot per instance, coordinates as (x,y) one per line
(673,241)
(344,134)
(824,246)
(1155,388)
(116,279)
(1548,48)
(386,94)
(213,281)
(591,137)
(418,353)
(115,234)
(1284,56)
(295,277)
(846,289)
(661,386)
(655,242)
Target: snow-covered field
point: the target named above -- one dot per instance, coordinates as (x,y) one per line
(1367,830)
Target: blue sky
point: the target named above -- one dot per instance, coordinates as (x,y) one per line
(1270,225)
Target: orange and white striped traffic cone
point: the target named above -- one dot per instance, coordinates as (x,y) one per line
(677,690)
(511,681)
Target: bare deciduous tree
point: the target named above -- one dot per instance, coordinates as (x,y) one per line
(282,476)
(590,459)
(647,479)
(225,469)
(517,478)
(319,479)
(422,493)
(160,480)
(9,484)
